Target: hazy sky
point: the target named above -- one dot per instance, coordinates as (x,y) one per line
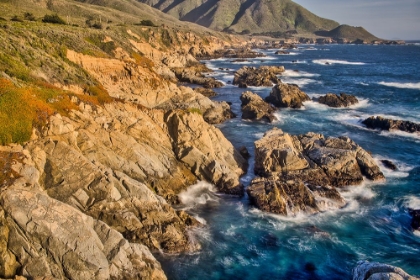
(387,19)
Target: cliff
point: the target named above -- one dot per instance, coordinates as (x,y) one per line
(98,138)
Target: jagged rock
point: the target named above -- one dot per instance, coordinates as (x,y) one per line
(389,124)
(264,76)
(389,164)
(244,152)
(255,108)
(214,112)
(334,100)
(207,92)
(415,222)
(287,95)
(282,52)
(53,239)
(300,173)
(376,271)
(206,152)
(193,75)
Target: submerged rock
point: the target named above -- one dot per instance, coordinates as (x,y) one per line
(264,76)
(415,222)
(255,108)
(374,271)
(287,95)
(301,173)
(379,122)
(389,164)
(334,100)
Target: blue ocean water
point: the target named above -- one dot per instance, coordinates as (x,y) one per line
(241,242)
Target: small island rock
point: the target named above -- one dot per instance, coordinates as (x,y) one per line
(287,95)
(255,108)
(264,76)
(335,100)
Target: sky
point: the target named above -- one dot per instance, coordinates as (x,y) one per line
(386,19)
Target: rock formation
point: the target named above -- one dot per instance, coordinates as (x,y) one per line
(300,173)
(379,122)
(334,100)
(372,270)
(194,75)
(264,76)
(207,92)
(255,108)
(287,95)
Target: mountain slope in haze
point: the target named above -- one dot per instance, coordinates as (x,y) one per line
(348,32)
(255,16)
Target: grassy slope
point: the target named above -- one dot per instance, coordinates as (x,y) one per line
(33,54)
(349,32)
(238,15)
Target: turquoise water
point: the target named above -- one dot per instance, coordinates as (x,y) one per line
(241,242)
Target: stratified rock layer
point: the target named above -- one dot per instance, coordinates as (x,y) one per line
(287,95)
(300,173)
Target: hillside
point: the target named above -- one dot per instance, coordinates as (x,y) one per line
(348,32)
(245,16)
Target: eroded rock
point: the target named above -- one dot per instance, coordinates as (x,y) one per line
(255,108)
(373,271)
(334,100)
(287,95)
(379,122)
(264,76)
(301,173)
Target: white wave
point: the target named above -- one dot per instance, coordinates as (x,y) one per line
(293,73)
(362,191)
(348,119)
(412,202)
(200,219)
(300,82)
(200,193)
(415,136)
(363,103)
(402,168)
(316,105)
(259,135)
(417,233)
(335,61)
(401,85)
(363,84)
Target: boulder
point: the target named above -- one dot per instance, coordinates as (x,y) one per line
(381,123)
(218,113)
(282,52)
(334,100)
(255,108)
(206,152)
(389,164)
(415,222)
(376,271)
(54,240)
(194,75)
(301,173)
(264,76)
(287,95)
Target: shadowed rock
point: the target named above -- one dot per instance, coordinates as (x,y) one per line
(389,124)
(334,100)
(255,108)
(301,173)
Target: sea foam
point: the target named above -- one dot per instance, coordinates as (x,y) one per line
(401,85)
(200,193)
(335,61)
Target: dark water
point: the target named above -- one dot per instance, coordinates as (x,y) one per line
(241,242)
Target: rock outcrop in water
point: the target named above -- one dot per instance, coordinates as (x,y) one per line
(264,76)
(372,271)
(287,95)
(415,222)
(300,173)
(255,108)
(379,122)
(335,100)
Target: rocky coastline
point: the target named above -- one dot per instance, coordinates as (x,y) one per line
(91,194)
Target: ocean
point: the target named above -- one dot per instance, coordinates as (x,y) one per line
(240,242)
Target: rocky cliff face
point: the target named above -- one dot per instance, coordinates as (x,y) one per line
(90,195)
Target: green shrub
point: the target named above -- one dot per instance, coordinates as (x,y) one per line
(53,19)
(195,111)
(29,16)
(146,22)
